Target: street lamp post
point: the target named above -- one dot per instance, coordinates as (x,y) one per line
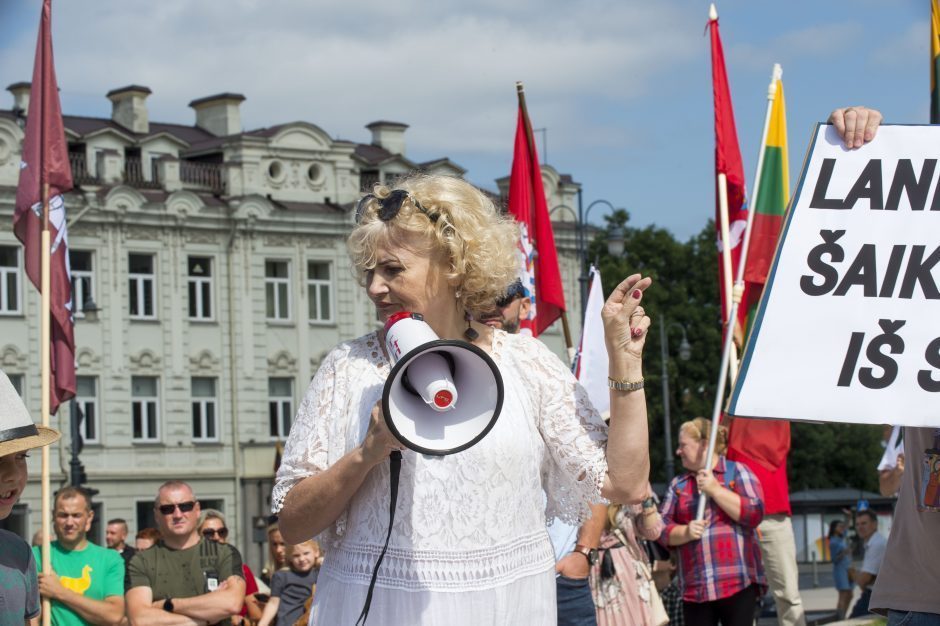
(77,476)
(685,352)
(614,243)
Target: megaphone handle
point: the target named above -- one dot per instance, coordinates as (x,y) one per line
(394,472)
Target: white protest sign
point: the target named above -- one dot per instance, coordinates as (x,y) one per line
(848,329)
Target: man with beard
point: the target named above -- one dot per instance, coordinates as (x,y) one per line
(509,310)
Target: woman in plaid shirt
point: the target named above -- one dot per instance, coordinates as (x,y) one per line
(719,556)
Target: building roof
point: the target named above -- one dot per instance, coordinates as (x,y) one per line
(129,88)
(308,207)
(386,124)
(219,96)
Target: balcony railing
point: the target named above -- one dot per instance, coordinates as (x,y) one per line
(202,174)
(134,174)
(80,174)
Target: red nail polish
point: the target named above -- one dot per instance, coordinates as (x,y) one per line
(637,332)
(637,294)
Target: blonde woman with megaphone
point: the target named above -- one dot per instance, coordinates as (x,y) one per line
(468,544)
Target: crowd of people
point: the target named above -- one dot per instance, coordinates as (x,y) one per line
(469,544)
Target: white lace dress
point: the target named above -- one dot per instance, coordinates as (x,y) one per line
(470,544)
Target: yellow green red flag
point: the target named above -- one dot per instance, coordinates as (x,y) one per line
(773,197)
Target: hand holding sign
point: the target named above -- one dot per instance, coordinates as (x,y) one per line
(856,125)
(858,256)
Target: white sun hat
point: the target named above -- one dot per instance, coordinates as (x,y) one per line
(17,430)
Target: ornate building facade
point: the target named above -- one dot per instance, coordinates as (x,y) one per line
(215,258)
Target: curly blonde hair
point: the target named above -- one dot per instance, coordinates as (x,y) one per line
(459,222)
(700,429)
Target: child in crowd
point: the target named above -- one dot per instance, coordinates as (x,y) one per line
(291,588)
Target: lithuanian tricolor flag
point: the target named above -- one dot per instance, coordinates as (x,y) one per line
(934,61)
(773,196)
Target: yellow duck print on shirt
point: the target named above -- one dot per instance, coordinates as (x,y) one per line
(78,585)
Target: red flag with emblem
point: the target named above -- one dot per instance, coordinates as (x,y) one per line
(45,163)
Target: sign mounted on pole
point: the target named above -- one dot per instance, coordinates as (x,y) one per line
(848,329)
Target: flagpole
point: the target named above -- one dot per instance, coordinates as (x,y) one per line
(530,139)
(738,291)
(726,253)
(46,365)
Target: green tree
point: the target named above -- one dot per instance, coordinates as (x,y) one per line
(685,293)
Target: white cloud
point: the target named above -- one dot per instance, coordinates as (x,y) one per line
(817,41)
(447,68)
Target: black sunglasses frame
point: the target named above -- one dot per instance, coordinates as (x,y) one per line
(212,532)
(184,507)
(390,205)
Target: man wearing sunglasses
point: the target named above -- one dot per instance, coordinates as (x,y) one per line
(183,578)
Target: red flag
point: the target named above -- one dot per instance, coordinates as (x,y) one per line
(728,162)
(527,204)
(46,162)
(763,445)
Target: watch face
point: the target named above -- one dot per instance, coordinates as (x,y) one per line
(592,557)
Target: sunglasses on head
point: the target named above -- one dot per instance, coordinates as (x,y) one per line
(184,507)
(209,533)
(390,205)
(516,290)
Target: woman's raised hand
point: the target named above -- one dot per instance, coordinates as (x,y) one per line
(379,442)
(625,321)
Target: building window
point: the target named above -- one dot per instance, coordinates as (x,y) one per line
(319,291)
(80,264)
(280,406)
(199,270)
(9,280)
(277,290)
(145,406)
(205,420)
(86,395)
(142,286)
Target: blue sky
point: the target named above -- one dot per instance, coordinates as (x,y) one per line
(623,87)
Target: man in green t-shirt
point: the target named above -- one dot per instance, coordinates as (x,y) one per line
(183,576)
(87,581)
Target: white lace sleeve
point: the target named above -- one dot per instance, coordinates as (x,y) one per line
(575,436)
(316,436)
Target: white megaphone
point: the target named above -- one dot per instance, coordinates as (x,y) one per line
(442,396)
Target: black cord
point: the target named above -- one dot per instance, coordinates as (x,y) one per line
(394,472)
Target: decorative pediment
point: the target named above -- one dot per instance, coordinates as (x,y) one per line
(10,137)
(315,361)
(145,361)
(86,360)
(282,362)
(183,204)
(12,359)
(301,136)
(204,362)
(252,208)
(124,199)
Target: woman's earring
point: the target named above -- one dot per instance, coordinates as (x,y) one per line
(470,334)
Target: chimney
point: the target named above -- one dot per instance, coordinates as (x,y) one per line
(129,109)
(20,93)
(219,114)
(389,135)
